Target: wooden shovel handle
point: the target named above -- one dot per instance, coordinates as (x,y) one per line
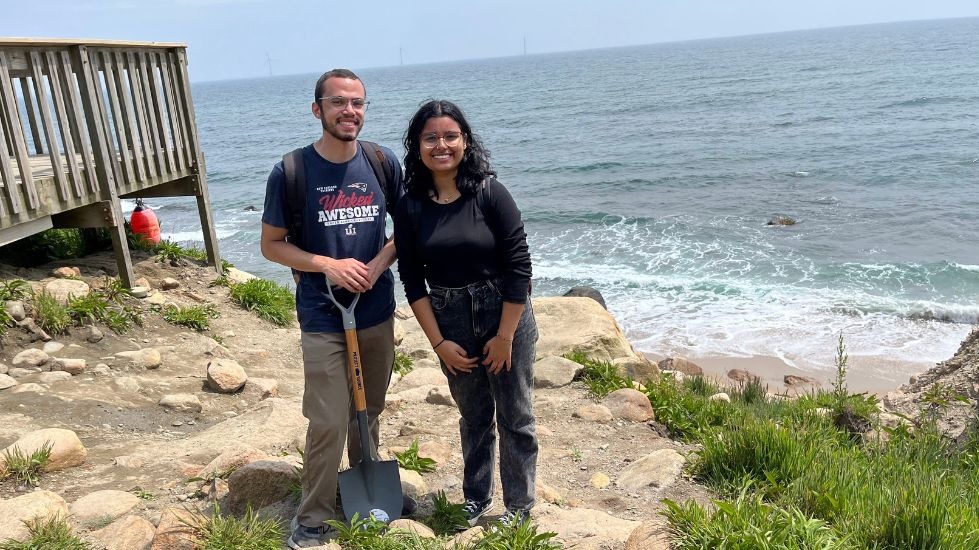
(356,372)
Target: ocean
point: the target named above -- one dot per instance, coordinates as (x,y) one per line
(650,173)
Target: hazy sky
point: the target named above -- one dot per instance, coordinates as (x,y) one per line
(231,38)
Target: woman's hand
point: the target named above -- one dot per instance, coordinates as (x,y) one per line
(455,357)
(497,352)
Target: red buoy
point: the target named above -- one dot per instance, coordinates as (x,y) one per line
(144,223)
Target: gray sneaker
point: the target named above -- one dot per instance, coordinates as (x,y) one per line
(310,537)
(476,509)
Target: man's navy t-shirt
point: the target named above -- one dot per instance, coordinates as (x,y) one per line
(344,218)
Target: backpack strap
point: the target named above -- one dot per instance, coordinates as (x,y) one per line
(295,172)
(383,170)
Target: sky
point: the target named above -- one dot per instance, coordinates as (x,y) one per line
(237,38)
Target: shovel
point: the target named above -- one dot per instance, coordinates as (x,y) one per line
(371,488)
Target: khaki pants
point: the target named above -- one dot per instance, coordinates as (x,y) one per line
(328,405)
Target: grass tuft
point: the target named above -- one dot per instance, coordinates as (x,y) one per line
(195,317)
(601,377)
(403,363)
(26,468)
(47,534)
(447,518)
(51,315)
(270,301)
(250,532)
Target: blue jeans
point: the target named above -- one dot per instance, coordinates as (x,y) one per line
(470,317)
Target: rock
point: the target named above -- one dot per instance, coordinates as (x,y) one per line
(792,380)
(63,289)
(52,377)
(103,504)
(599,480)
(440,395)
(637,368)
(426,364)
(71,366)
(182,402)
(169,283)
(680,364)
(741,375)
(148,358)
(412,483)
(720,397)
(156,299)
(548,494)
(4,368)
(653,534)
(20,373)
(7,382)
(127,384)
(659,469)
(238,276)
(555,372)
(421,377)
(30,358)
(404,312)
(263,388)
(466,539)
(15,309)
(139,291)
(424,353)
(594,413)
(36,505)
(259,483)
(230,460)
(412,526)
(584,528)
(52,347)
(399,331)
(67,450)
(37,333)
(143,282)
(629,404)
(587,292)
(101,369)
(781,220)
(414,395)
(66,272)
(578,324)
(92,334)
(225,375)
(435,450)
(129,533)
(176,531)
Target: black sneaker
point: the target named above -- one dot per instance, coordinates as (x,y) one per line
(514,517)
(476,509)
(310,537)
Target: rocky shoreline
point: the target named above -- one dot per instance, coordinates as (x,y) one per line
(159,423)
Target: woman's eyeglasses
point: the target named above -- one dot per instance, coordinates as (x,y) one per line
(451,139)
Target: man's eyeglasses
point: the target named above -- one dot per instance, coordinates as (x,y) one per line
(451,139)
(339,102)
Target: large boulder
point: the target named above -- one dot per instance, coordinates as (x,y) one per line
(637,368)
(259,483)
(31,358)
(67,450)
(176,530)
(63,289)
(555,372)
(654,534)
(587,292)
(679,364)
(225,376)
(182,402)
(129,533)
(658,469)
(629,404)
(584,528)
(421,377)
(148,358)
(235,457)
(37,505)
(103,504)
(578,324)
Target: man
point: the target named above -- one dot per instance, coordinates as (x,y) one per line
(339,240)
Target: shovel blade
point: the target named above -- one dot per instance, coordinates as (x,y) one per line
(372,488)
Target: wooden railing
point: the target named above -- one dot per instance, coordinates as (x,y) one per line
(83,124)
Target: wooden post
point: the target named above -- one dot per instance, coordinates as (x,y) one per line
(89,91)
(198,168)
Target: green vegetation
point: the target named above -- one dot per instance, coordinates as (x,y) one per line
(24,467)
(601,377)
(14,289)
(402,363)
(447,518)
(794,476)
(409,460)
(219,532)
(195,317)
(296,485)
(520,535)
(48,534)
(370,534)
(50,314)
(270,301)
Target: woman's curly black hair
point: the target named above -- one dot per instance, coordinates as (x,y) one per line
(475,161)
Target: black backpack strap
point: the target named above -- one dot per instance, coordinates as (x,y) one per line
(295,172)
(383,171)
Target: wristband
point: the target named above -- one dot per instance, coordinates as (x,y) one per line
(439,344)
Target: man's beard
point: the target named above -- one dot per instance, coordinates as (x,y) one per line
(333,130)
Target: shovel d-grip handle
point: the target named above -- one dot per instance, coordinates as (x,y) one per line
(353,349)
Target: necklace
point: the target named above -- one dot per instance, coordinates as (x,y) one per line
(446,199)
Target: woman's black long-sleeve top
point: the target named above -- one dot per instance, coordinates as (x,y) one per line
(454,245)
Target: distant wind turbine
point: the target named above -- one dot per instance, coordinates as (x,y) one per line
(268,61)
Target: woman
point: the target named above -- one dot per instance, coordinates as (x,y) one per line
(458,230)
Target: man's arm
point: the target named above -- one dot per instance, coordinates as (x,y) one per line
(380,263)
(348,273)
